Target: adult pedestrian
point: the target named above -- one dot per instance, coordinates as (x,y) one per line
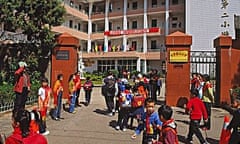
(153,84)
(110,90)
(21,87)
(57,94)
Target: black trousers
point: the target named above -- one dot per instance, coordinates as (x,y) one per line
(88,96)
(77,97)
(123,117)
(208,107)
(194,129)
(110,103)
(20,99)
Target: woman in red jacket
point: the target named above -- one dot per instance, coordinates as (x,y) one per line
(22,133)
(21,87)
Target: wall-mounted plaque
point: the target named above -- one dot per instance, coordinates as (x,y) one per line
(62,55)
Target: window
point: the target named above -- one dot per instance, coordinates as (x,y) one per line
(134,25)
(134,5)
(70,23)
(154,3)
(110,25)
(174,18)
(174,2)
(134,46)
(153,44)
(174,25)
(79,26)
(93,27)
(154,23)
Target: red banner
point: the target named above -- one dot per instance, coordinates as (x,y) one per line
(132,31)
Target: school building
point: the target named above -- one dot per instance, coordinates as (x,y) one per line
(130,34)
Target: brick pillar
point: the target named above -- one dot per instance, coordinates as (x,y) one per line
(178,68)
(64,59)
(224,74)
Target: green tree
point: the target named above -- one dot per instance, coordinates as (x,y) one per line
(34,18)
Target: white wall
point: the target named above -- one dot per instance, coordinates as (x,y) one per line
(203,21)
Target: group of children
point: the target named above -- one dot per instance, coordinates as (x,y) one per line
(45,93)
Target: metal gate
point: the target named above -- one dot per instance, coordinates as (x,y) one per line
(204,62)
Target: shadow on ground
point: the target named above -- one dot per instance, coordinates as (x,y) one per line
(99,111)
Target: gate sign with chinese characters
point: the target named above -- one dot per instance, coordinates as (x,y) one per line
(178,56)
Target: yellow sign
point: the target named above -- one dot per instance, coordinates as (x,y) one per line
(179,56)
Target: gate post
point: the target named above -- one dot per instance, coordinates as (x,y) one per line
(224,74)
(64,60)
(178,68)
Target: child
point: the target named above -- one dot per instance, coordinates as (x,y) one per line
(44,94)
(197,110)
(169,128)
(87,86)
(22,133)
(235,122)
(125,100)
(72,93)
(149,122)
(57,94)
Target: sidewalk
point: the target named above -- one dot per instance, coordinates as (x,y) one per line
(90,125)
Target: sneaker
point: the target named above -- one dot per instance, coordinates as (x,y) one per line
(45,133)
(74,112)
(189,141)
(117,127)
(110,114)
(124,129)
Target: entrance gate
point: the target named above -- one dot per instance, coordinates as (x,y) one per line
(204,62)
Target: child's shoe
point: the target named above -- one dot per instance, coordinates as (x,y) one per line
(117,127)
(45,133)
(124,129)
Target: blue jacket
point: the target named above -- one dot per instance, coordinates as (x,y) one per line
(154,122)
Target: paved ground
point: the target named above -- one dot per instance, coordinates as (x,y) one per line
(90,125)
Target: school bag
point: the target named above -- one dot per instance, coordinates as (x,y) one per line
(138,100)
(125,99)
(87,85)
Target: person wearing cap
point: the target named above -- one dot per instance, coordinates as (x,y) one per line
(235,122)
(21,87)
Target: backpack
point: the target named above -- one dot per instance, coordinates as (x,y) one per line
(87,85)
(125,99)
(166,129)
(138,100)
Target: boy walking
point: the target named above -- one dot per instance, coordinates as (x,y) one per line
(197,110)
(149,123)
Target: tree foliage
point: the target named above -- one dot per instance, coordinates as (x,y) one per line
(34,18)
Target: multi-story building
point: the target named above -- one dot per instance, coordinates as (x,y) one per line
(130,34)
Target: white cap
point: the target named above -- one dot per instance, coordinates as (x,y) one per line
(22,64)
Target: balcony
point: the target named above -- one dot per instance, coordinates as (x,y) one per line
(156,10)
(75,12)
(73,32)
